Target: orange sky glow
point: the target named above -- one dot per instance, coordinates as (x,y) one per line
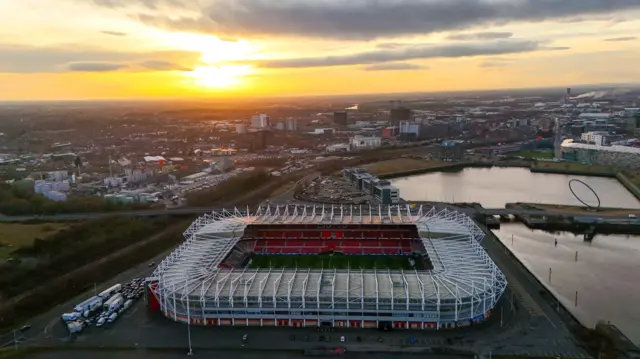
(71,49)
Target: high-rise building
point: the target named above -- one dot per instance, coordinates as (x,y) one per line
(400,114)
(260,140)
(260,121)
(291,124)
(340,118)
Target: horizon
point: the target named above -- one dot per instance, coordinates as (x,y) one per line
(391,95)
(113,50)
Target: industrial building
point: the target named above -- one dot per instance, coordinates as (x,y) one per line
(208,280)
(381,190)
(616,155)
(365,142)
(450,151)
(409,130)
(598,138)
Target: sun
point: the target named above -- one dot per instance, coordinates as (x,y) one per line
(215,69)
(219,76)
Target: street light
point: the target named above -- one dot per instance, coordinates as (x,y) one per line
(190,353)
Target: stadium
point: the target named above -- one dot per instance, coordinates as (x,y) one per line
(309,266)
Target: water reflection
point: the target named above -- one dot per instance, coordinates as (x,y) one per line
(605,274)
(494,187)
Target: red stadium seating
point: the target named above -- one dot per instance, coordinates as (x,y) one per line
(306,241)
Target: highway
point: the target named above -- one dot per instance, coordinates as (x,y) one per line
(202,210)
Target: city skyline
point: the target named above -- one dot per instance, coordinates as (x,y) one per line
(73,49)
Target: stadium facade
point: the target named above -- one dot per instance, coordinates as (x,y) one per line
(210,280)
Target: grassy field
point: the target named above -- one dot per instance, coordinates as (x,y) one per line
(532,154)
(15,235)
(337,261)
(399,165)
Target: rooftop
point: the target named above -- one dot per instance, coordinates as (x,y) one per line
(451,239)
(614,148)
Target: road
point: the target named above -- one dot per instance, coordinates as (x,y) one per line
(523,323)
(41,325)
(201,210)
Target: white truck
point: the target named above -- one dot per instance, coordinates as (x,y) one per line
(110,291)
(114,303)
(74,327)
(89,304)
(70,317)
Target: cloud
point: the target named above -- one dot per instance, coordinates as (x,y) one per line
(32,59)
(161,65)
(95,66)
(149,4)
(390,45)
(393,66)
(114,33)
(619,39)
(498,47)
(481,36)
(368,19)
(496,62)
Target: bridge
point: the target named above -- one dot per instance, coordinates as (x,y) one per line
(202,210)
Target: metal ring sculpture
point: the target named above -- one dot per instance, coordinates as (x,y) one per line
(578,198)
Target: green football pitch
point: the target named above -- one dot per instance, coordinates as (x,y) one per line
(337,261)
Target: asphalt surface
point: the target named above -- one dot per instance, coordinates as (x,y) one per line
(524,323)
(144,354)
(194,210)
(44,327)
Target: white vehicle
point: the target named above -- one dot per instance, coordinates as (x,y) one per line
(100,322)
(342,339)
(114,303)
(74,327)
(89,304)
(110,291)
(112,317)
(70,317)
(632,216)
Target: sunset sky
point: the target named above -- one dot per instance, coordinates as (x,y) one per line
(93,49)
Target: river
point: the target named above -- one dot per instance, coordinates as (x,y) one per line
(605,274)
(494,187)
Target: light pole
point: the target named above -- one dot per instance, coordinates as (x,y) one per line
(190,353)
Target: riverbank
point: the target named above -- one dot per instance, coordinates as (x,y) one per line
(578,220)
(406,167)
(577,210)
(605,339)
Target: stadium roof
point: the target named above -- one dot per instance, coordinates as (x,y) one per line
(451,239)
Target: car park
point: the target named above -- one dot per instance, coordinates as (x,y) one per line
(100,315)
